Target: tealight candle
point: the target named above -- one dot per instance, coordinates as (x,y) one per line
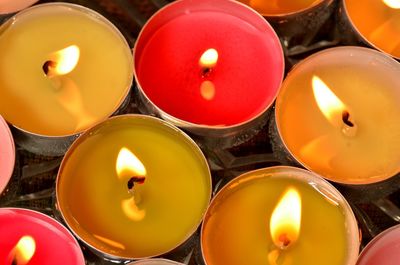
(383,249)
(155,262)
(377,22)
(219,65)
(75,75)
(279,215)
(133,187)
(338,114)
(30,237)
(281,7)
(7,154)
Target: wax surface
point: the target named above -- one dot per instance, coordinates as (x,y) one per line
(367,82)
(90,93)
(246,77)
(280,7)
(377,22)
(174,195)
(54,243)
(236,226)
(384,249)
(7,154)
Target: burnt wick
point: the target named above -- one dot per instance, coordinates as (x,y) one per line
(284,240)
(47,65)
(14,262)
(205,72)
(133,180)
(346,119)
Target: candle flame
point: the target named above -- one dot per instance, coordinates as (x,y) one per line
(329,104)
(395,4)
(286,219)
(209,58)
(64,61)
(128,164)
(24,250)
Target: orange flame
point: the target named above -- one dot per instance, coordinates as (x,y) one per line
(329,104)
(128,164)
(24,250)
(64,61)
(395,4)
(209,58)
(286,219)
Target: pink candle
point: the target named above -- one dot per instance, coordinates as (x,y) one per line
(7,154)
(29,237)
(384,249)
(236,82)
(12,6)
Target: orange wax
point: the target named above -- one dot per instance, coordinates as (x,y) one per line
(236,228)
(280,7)
(378,22)
(356,84)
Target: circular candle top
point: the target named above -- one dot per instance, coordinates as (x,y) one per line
(378,22)
(280,7)
(338,114)
(52,241)
(239,86)
(155,262)
(11,6)
(63,69)
(7,154)
(160,213)
(236,228)
(383,249)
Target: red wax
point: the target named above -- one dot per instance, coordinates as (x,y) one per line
(54,243)
(246,77)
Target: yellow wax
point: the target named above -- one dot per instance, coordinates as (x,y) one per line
(173,197)
(70,103)
(236,227)
(280,7)
(378,21)
(366,82)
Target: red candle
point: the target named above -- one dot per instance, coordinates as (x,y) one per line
(238,84)
(7,154)
(29,237)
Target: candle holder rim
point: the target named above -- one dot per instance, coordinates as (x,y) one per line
(115,30)
(61,227)
(281,91)
(353,238)
(145,261)
(189,140)
(186,124)
(377,239)
(7,130)
(355,28)
(298,12)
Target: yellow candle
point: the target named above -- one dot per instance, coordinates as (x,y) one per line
(280,7)
(378,22)
(279,215)
(133,219)
(63,68)
(338,114)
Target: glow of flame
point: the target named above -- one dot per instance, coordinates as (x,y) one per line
(110,242)
(209,58)
(132,211)
(395,4)
(24,250)
(128,164)
(329,104)
(207,90)
(65,60)
(286,219)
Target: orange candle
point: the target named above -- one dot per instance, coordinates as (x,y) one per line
(338,114)
(280,7)
(378,23)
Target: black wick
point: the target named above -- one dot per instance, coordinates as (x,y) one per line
(346,119)
(47,65)
(135,179)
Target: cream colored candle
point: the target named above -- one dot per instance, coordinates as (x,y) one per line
(280,7)
(378,22)
(63,68)
(279,215)
(338,114)
(133,187)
